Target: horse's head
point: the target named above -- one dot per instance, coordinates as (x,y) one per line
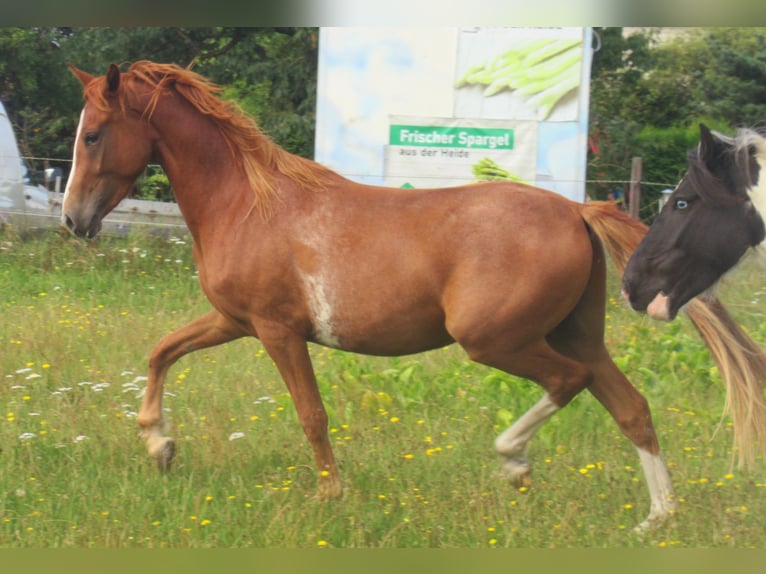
(112,147)
(708,223)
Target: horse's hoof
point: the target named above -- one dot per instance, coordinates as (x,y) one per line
(649,524)
(330,488)
(518,472)
(523,481)
(656,518)
(163,450)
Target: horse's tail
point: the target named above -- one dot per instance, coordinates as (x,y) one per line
(741,362)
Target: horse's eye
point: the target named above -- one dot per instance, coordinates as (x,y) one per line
(91,138)
(681,204)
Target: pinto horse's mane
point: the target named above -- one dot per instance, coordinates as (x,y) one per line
(746,143)
(261,160)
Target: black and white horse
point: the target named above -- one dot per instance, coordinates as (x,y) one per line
(715,214)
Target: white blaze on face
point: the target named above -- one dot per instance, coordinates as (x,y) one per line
(758,192)
(74,164)
(659,308)
(321,310)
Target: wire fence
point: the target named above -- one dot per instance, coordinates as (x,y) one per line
(647,212)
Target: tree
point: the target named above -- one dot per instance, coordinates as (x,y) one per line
(649,101)
(36,93)
(273,77)
(734,82)
(271,72)
(619,63)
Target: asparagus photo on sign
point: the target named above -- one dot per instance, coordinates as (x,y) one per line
(535,73)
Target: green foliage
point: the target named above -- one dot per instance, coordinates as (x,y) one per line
(273,77)
(649,93)
(734,81)
(270,72)
(37,93)
(154,186)
(663,151)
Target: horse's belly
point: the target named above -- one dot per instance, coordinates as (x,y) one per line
(393,338)
(376,326)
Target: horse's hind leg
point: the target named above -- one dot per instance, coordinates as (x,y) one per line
(581,336)
(631,412)
(628,408)
(562,378)
(209,330)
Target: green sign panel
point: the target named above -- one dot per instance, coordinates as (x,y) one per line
(451,136)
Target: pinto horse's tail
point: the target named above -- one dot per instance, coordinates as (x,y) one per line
(741,362)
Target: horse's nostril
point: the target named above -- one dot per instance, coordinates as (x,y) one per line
(69,223)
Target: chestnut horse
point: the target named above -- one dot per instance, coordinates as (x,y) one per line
(291,252)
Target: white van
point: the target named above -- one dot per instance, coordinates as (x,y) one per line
(12,202)
(21,202)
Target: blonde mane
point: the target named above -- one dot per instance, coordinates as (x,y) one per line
(261,160)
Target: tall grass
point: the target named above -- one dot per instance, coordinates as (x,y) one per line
(413,435)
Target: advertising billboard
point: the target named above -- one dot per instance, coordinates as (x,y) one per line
(432,107)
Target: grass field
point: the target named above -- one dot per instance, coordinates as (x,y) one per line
(413,435)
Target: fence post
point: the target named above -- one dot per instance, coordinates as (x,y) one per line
(635,188)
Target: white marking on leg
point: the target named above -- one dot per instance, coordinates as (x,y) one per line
(74,166)
(519,433)
(512,444)
(660,488)
(321,309)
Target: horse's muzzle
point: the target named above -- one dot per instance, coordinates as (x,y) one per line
(629,297)
(87,231)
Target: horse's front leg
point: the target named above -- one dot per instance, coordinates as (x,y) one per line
(209,330)
(291,356)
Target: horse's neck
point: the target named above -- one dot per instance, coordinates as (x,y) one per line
(209,188)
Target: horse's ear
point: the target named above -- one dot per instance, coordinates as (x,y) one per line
(84,77)
(707,144)
(113,78)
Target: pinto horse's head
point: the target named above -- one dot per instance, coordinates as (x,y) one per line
(112,147)
(711,219)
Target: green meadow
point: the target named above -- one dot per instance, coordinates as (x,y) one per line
(413,435)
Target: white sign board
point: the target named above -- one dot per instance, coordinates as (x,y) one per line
(431,107)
